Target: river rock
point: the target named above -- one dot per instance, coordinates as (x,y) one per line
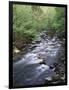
(42,55)
(33,46)
(48,78)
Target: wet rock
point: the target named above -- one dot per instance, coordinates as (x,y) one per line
(42,62)
(43,36)
(63,78)
(15,50)
(52,67)
(48,78)
(56,78)
(37,40)
(42,55)
(33,46)
(33,42)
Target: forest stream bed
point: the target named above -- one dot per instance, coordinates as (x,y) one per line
(42,63)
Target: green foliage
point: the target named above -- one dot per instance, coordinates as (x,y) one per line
(29,20)
(59,21)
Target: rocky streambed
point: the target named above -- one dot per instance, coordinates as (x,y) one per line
(43,64)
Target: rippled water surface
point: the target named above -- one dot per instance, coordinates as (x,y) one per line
(34,67)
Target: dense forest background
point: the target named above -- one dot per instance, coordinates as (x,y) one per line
(29,21)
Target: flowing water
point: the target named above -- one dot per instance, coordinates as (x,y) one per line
(35,66)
